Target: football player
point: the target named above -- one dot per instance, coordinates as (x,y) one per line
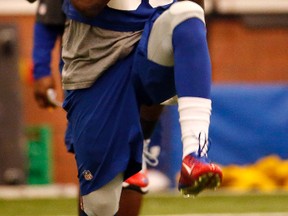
(48,28)
(117,56)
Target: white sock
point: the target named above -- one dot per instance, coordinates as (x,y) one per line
(194,120)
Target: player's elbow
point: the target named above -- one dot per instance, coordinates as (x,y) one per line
(89,8)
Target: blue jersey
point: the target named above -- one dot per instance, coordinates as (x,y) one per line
(119,15)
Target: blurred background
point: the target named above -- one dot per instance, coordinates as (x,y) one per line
(248,41)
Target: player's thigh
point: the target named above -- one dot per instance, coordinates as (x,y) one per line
(107,137)
(154,81)
(154,59)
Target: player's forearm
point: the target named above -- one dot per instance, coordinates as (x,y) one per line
(89,8)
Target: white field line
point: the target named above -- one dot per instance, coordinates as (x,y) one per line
(38,191)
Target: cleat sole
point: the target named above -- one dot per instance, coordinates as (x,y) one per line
(206,181)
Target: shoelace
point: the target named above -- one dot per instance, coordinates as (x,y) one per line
(150,157)
(204,144)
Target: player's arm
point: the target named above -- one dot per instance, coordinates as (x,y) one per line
(44,39)
(89,8)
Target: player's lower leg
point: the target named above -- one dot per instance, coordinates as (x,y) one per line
(193,84)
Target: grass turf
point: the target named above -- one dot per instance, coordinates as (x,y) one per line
(160,204)
(216,203)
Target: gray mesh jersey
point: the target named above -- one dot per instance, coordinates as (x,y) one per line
(50,12)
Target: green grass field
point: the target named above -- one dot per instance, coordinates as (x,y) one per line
(163,204)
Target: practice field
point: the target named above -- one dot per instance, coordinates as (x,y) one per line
(217,203)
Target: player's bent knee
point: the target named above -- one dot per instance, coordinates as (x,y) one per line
(160,40)
(104,201)
(186,9)
(101,207)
